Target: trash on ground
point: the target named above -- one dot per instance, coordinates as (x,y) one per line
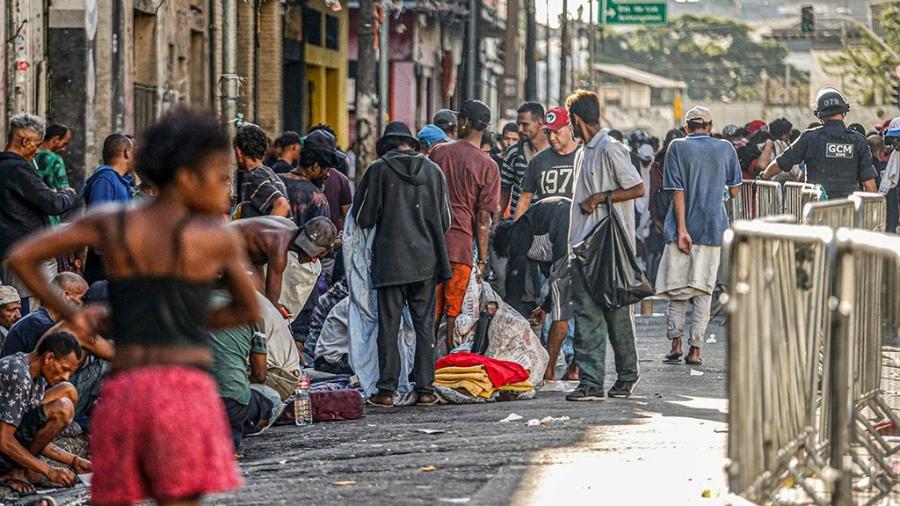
(558,386)
(709,494)
(455,500)
(429,469)
(721,430)
(712,339)
(863,484)
(431,431)
(511,418)
(346,483)
(547,420)
(695,372)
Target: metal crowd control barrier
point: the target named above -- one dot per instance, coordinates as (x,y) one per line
(864,318)
(796,196)
(777,319)
(756,199)
(831,213)
(871,211)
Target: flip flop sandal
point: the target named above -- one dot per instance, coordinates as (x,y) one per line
(369,402)
(435,402)
(673,357)
(688,361)
(43,501)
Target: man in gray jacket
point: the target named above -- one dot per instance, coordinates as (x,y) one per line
(404,195)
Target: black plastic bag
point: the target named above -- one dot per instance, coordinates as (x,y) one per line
(610,269)
(481,341)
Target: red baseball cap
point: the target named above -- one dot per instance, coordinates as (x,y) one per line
(556,118)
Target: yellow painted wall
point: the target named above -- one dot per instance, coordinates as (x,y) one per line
(326,69)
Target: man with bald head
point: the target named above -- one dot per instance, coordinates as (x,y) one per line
(24,335)
(26,202)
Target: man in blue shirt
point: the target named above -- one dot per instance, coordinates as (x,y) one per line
(698,171)
(111,182)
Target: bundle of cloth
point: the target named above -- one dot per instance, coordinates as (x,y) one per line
(465,377)
(510,337)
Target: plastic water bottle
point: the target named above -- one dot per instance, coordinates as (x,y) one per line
(302,402)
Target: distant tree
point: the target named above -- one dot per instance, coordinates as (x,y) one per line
(718,58)
(867,69)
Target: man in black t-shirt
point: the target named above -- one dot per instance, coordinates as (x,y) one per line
(552,171)
(290,143)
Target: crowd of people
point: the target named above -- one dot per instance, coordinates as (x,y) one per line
(177,314)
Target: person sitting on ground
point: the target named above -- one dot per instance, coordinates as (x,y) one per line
(239,359)
(50,164)
(282,358)
(330,356)
(262,191)
(10,310)
(32,415)
(94,364)
(290,143)
(548,218)
(270,240)
(24,335)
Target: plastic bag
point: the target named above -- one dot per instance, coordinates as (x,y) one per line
(609,266)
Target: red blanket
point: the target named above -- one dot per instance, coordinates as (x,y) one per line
(501,372)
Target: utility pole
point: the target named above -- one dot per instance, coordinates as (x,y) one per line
(472,51)
(563,52)
(230,81)
(511,90)
(366,115)
(547,56)
(592,41)
(384,58)
(531,73)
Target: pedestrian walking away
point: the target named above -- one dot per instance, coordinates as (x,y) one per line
(603,173)
(699,169)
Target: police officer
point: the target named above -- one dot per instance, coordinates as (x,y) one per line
(837,158)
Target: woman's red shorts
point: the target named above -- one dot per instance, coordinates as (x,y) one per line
(160,432)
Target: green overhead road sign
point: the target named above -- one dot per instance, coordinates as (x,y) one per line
(633,12)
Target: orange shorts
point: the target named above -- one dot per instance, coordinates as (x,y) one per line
(450,294)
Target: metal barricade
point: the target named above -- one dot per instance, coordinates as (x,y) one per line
(797,195)
(864,318)
(756,199)
(871,211)
(831,213)
(779,279)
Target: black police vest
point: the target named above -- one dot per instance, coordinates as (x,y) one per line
(833,160)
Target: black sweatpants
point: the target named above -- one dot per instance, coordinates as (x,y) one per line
(420,298)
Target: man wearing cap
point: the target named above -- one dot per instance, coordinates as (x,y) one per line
(698,170)
(10,310)
(603,172)
(551,172)
(403,195)
(532,141)
(429,137)
(837,158)
(473,182)
(304,183)
(891,172)
(272,240)
(446,120)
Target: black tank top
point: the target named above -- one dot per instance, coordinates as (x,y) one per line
(158,310)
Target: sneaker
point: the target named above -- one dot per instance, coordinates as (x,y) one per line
(623,389)
(586,393)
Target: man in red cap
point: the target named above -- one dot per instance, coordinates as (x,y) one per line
(550,173)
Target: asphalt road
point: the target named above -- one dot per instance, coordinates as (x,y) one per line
(663,446)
